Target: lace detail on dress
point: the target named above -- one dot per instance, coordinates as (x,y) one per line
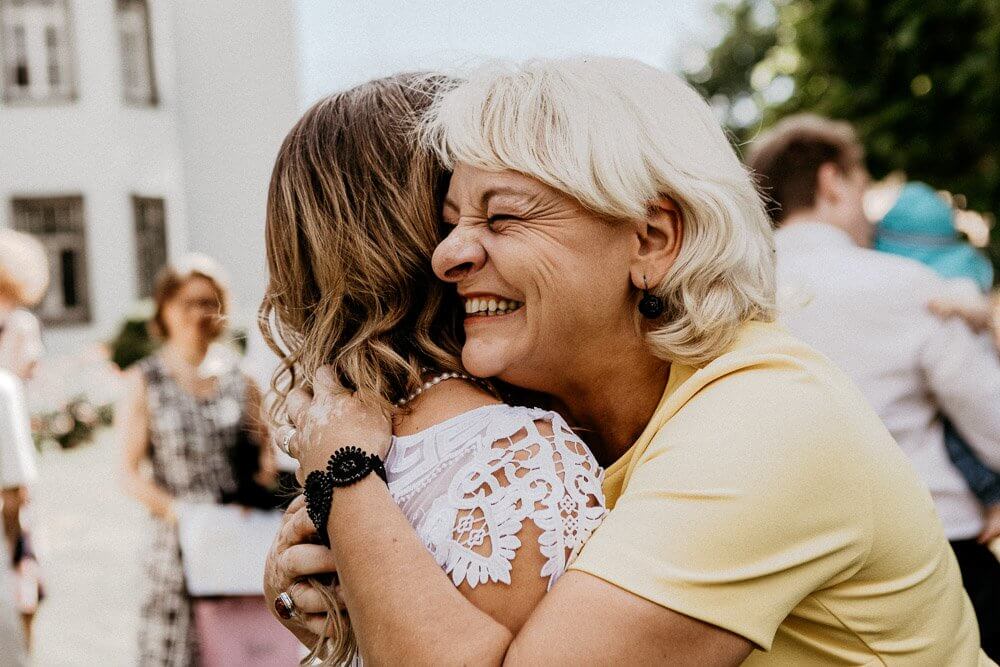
(529,465)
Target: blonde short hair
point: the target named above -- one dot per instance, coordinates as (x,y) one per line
(615,134)
(24,268)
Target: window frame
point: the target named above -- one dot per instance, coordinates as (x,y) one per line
(145,281)
(56,242)
(64,93)
(151,98)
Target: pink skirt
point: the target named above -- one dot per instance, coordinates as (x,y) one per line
(235,631)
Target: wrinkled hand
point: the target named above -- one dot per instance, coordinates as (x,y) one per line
(991,524)
(332,417)
(293,557)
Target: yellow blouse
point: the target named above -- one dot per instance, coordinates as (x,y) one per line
(766,497)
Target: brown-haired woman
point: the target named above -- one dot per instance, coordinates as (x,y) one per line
(181,416)
(501,495)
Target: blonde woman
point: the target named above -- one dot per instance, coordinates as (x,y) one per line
(501,496)
(758,509)
(179,419)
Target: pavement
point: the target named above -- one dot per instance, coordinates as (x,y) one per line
(91,540)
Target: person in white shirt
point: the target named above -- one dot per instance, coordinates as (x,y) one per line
(868,311)
(15,472)
(24,278)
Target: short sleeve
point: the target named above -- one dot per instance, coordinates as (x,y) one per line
(533,467)
(24,343)
(17,450)
(736,512)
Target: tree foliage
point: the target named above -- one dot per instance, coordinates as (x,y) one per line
(919,79)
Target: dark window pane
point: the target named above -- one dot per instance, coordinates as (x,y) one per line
(67,261)
(21,58)
(151,242)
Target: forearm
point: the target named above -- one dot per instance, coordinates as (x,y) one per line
(403,608)
(963,374)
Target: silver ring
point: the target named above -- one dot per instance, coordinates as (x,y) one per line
(289,434)
(285,606)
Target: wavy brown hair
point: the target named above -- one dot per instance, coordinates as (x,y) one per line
(353,216)
(352,220)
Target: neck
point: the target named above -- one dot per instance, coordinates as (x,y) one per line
(612,402)
(191,352)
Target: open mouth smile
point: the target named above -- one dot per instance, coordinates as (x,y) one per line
(489,305)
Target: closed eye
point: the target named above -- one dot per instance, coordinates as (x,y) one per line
(500,218)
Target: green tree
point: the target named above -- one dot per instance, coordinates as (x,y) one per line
(919,79)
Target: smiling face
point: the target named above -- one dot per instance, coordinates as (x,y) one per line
(545,282)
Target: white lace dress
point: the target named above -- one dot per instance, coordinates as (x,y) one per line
(468,484)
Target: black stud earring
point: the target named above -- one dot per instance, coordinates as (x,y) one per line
(651,306)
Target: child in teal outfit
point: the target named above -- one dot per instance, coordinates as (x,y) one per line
(920,225)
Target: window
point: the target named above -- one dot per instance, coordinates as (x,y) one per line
(137,52)
(150,241)
(58,223)
(35,40)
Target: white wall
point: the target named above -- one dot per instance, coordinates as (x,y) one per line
(100,148)
(238,98)
(226,78)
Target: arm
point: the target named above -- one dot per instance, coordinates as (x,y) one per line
(132,425)
(962,371)
(388,596)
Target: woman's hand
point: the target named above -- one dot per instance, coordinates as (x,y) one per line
(292,558)
(332,417)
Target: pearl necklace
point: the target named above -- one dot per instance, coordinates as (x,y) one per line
(438,379)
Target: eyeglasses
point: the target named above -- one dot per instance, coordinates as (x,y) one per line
(212,305)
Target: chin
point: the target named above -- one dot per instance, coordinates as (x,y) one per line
(485,359)
(478,364)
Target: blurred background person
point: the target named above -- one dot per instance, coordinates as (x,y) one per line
(24,278)
(15,472)
(186,411)
(868,312)
(920,224)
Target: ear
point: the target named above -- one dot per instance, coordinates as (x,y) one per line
(658,238)
(829,181)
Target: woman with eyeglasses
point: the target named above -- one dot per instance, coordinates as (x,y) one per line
(183,412)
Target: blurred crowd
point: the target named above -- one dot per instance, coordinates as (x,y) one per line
(874,275)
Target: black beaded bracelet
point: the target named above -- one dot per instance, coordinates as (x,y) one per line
(347,466)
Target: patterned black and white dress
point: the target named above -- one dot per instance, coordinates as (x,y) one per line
(190,439)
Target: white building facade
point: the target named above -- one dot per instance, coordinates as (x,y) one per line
(132,131)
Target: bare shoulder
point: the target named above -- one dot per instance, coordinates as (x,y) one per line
(134,383)
(440,403)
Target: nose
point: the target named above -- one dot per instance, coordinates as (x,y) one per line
(458,256)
